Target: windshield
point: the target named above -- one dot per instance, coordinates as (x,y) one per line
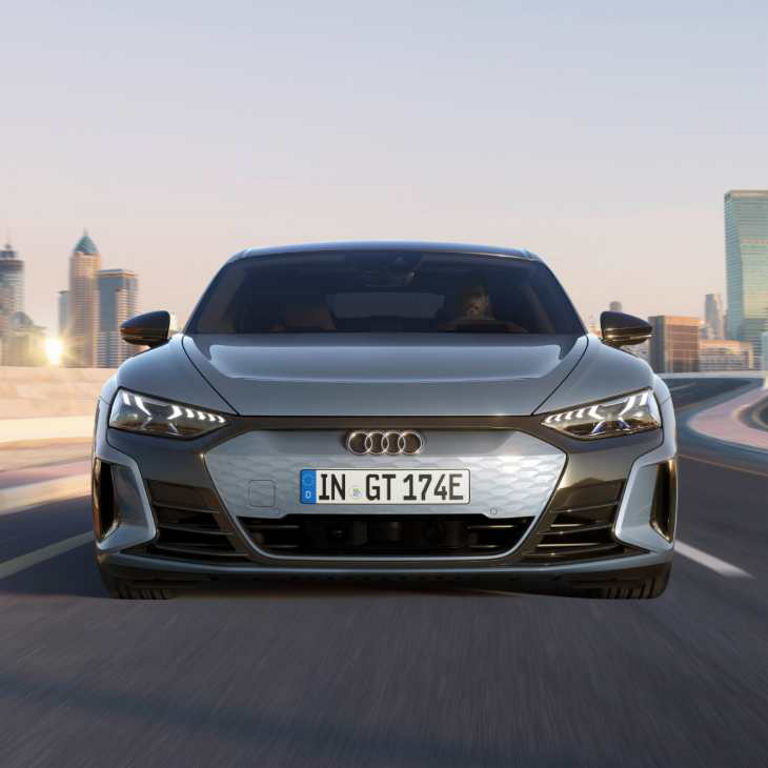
(384,292)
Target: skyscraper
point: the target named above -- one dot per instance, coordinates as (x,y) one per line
(63,312)
(83,314)
(675,344)
(713,314)
(746,260)
(11,281)
(118,294)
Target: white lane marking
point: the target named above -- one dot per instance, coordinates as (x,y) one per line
(21,563)
(710,561)
(723,466)
(21,497)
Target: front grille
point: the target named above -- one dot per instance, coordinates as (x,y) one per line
(580,526)
(191,526)
(385,535)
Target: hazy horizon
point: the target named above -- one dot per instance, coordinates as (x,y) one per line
(601,138)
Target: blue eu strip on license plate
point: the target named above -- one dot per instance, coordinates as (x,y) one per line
(308,486)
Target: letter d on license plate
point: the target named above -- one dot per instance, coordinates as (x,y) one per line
(387,486)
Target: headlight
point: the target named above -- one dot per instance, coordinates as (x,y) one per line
(623,416)
(139,413)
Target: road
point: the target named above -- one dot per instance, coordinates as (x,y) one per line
(293,675)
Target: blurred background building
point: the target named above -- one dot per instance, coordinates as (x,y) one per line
(642,351)
(675,344)
(24,343)
(83,304)
(21,341)
(63,312)
(11,281)
(714,316)
(764,362)
(118,296)
(746,238)
(91,311)
(725,355)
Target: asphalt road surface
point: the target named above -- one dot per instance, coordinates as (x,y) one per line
(293,675)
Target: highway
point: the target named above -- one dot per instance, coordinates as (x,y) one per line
(302,675)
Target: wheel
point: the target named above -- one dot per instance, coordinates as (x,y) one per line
(122,589)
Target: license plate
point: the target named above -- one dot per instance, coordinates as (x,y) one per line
(388,486)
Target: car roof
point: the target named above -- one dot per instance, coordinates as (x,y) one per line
(387,245)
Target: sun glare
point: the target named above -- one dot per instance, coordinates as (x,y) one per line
(53,351)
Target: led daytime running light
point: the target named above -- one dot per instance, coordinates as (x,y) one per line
(637,412)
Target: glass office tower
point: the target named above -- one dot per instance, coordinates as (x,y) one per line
(746,242)
(118,295)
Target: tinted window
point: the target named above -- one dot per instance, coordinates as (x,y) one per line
(384,292)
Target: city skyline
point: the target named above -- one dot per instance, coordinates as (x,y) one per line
(182,301)
(93,307)
(97,301)
(90,312)
(721,337)
(712,299)
(52,313)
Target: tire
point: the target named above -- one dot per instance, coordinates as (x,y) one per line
(122,589)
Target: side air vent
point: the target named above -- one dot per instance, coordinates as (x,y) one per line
(190,526)
(580,526)
(103,498)
(664,510)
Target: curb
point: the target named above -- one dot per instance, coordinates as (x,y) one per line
(753,415)
(724,421)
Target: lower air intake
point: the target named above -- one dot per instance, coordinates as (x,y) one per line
(385,535)
(190,526)
(580,526)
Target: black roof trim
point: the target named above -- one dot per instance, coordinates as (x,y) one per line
(387,245)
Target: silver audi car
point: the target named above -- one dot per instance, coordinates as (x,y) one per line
(385,411)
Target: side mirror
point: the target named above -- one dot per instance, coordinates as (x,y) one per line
(620,330)
(151,329)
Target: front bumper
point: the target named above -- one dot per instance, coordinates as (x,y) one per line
(630,479)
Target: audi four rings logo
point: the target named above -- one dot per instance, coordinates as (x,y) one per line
(381,443)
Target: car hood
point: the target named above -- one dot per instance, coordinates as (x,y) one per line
(414,375)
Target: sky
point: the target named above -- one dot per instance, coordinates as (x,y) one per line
(599,135)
